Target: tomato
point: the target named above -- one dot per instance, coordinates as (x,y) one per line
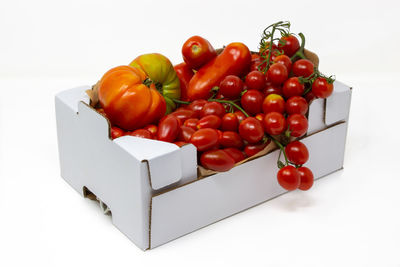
(209,121)
(168,129)
(231,139)
(180,143)
(184,73)
(230,122)
(251,130)
(143,133)
(296,105)
(116,132)
(255,80)
(256,62)
(252,149)
(297,124)
(272,103)
(217,160)
(285,60)
(289,178)
(192,123)
(185,133)
(182,114)
(292,87)
(235,59)
(205,139)
(310,97)
(197,51)
(260,117)
(239,115)
(290,44)
(277,73)
(303,67)
(197,106)
(251,101)
(296,152)
(152,129)
(274,123)
(213,108)
(265,50)
(231,87)
(322,88)
(306,178)
(271,88)
(235,153)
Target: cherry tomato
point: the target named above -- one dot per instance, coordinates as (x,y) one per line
(231,87)
(209,121)
(235,153)
(256,62)
(303,67)
(310,97)
(289,178)
(260,117)
(143,133)
(290,44)
(197,51)
(271,88)
(252,149)
(285,60)
(321,88)
(180,143)
(205,139)
(273,102)
(197,106)
(230,122)
(240,116)
(277,73)
(296,105)
(116,132)
(274,123)
(231,139)
(213,108)
(182,114)
(275,52)
(296,152)
(185,133)
(292,87)
(297,124)
(151,128)
(251,130)
(168,129)
(255,80)
(217,160)
(251,101)
(306,178)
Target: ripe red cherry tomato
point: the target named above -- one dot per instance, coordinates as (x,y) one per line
(289,178)
(255,80)
(185,133)
(230,122)
(303,67)
(252,149)
(310,97)
(271,88)
(213,108)
(260,117)
(306,178)
(168,129)
(290,44)
(251,130)
(252,101)
(231,87)
(240,116)
(297,152)
(296,105)
(277,73)
(297,124)
(272,103)
(321,88)
(197,106)
(285,60)
(205,139)
(116,132)
(151,128)
(209,121)
(197,51)
(231,139)
(274,123)
(292,87)
(192,123)
(182,114)
(235,153)
(256,62)
(217,160)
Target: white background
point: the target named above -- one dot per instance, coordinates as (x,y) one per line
(350,218)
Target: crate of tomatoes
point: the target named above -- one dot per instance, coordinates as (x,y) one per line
(169,149)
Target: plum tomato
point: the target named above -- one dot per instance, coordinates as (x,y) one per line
(168,129)
(213,108)
(271,88)
(292,87)
(273,102)
(251,101)
(251,130)
(297,125)
(192,123)
(252,149)
(289,178)
(231,87)
(277,73)
(185,133)
(303,67)
(235,153)
(231,139)
(297,152)
(143,133)
(322,88)
(182,114)
(217,160)
(180,143)
(197,106)
(306,178)
(274,123)
(116,132)
(229,122)
(289,44)
(296,105)
(255,80)
(209,121)
(285,60)
(152,128)
(239,115)
(205,139)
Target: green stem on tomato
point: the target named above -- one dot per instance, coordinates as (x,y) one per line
(230,103)
(281,147)
(181,101)
(300,52)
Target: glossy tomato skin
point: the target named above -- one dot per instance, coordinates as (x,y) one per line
(321,88)
(251,130)
(235,153)
(285,60)
(297,124)
(168,129)
(197,51)
(297,152)
(273,102)
(192,123)
(277,73)
(184,73)
(239,115)
(116,132)
(271,88)
(209,121)
(229,122)
(252,101)
(185,133)
(182,114)
(255,80)
(274,123)
(180,143)
(303,67)
(197,106)
(256,62)
(310,97)
(296,105)
(217,160)
(152,128)
(290,44)
(143,133)
(231,87)
(231,139)
(289,178)
(213,108)
(252,149)
(292,87)
(306,178)
(260,117)
(205,139)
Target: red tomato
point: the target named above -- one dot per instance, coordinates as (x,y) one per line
(205,139)
(197,106)
(285,60)
(251,101)
(209,121)
(184,73)
(272,103)
(168,129)
(192,123)
(143,133)
(230,122)
(231,87)
(231,139)
(185,133)
(274,123)
(321,88)
(256,62)
(180,143)
(213,108)
(217,160)
(182,114)
(116,132)
(310,97)
(240,116)
(271,88)
(151,128)
(289,178)
(306,178)
(290,44)
(251,130)
(277,73)
(252,149)
(260,117)
(297,152)
(303,67)
(297,124)
(296,105)
(255,80)
(235,153)
(292,87)
(197,51)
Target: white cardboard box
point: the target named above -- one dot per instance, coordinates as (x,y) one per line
(151,187)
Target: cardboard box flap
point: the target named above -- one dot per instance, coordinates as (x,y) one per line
(338,104)
(73,96)
(163,159)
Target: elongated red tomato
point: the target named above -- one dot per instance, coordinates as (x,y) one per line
(185,74)
(217,160)
(205,139)
(235,153)
(168,129)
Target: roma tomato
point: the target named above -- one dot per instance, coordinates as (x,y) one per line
(255,80)
(251,130)
(205,139)
(252,149)
(231,139)
(143,133)
(292,87)
(296,105)
(306,178)
(230,122)
(184,73)
(274,123)
(277,73)
(297,152)
(289,44)
(185,133)
(272,103)
(289,178)
(192,123)
(197,51)
(197,106)
(209,121)
(235,153)
(271,88)
(182,114)
(285,60)
(116,132)
(217,160)
(303,67)
(213,108)
(239,115)
(151,128)
(297,124)
(251,101)
(180,143)
(322,88)
(168,129)
(231,87)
